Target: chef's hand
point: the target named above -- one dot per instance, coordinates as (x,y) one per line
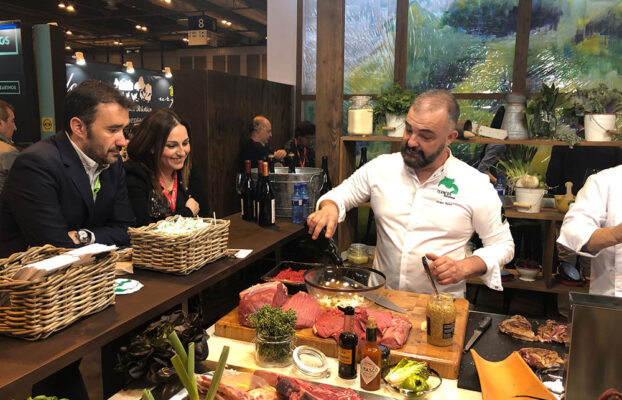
(326,216)
(446,270)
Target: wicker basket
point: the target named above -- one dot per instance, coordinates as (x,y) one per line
(34,310)
(180,254)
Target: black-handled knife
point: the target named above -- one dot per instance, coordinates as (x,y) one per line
(481,328)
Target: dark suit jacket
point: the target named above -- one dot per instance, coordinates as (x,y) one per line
(253,151)
(140,190)
(47,194)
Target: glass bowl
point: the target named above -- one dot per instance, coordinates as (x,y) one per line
(344,286)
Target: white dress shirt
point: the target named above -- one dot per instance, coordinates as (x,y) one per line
(438,216)
(598,205)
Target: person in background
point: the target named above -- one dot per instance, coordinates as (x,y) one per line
(256,147)
(69,190)
(160,178)
(593,228)
(426,203)
(302,145)
(8,151)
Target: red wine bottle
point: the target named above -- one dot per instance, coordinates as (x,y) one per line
(246,194)
(326,184)
(267,201)
(256,191)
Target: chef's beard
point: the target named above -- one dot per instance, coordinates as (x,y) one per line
(423,160)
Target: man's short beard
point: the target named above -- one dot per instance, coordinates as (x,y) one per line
(424,160)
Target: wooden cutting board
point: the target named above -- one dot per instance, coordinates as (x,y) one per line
(445,360)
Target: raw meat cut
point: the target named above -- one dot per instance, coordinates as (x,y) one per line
(227,392)
(540,358)
(553,332)
(393,330)
(518,327)
(295,389)
(306,307)
(257,296)
(263,394)
(329,324)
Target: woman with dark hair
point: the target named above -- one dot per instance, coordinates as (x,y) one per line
(159,174)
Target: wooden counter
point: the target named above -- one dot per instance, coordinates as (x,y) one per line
(22,363)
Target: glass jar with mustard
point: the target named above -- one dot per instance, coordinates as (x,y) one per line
(441,319)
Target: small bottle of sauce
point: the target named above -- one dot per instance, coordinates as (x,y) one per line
(348,345)
(441,319)
(371,357)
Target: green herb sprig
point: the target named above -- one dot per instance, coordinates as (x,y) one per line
(274,322)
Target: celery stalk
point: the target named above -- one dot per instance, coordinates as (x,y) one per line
(173,339)
(213,387)
(190,369)
(184,377)
(147,395)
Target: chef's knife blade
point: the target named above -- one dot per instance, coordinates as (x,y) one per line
(481,328)
(384,302)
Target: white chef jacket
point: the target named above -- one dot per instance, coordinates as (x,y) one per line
(598,205)
(438,216)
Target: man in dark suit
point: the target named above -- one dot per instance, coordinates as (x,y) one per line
(69,190)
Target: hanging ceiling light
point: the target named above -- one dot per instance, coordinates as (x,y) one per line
(129,67)
(79,57)
(185,39)
(67,47)
(70,8)
(167,72)
(61,5)
(68,33)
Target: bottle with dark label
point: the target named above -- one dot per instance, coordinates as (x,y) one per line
(326,184)
(256,192)
(291,164)
(348,345)
(247,193)
(267,202)
(271,162)
(371,357)
(363,159)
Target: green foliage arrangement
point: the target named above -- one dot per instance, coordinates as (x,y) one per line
(599,100)
(545,109)
(516,165)
(272,324)
(567,134)
(394,101)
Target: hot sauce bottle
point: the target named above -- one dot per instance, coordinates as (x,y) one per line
(371,357)
(348,345)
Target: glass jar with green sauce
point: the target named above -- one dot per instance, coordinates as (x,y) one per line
(441,319)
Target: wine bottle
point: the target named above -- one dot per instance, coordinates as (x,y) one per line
(371,357)
(267,201)
(363,159)
(246,194)
(256,192)
(271,163)
(326,184)
(291,164)
(348,345)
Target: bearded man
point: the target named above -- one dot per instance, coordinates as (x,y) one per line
(69,190)
(428,203)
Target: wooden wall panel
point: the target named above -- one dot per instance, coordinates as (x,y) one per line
(185,62)
(521,48)
(219,63)
(253,68)
(401,43)
(233,64)
(219,108)
(200,62)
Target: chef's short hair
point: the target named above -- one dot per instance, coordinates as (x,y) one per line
(305,128)
(440,98)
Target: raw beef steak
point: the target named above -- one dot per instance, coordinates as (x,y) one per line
(306,307)
(257,296)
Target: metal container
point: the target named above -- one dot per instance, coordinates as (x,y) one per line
(594,357)
(514,120)
(283,185)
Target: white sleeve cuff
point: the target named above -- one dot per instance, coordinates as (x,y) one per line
(575,239)
(492,276)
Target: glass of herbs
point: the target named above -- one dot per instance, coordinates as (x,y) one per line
(274,336)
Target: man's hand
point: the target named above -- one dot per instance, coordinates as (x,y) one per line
(193,206)
(326,216)
(280,154)
(446,270)
(73,235)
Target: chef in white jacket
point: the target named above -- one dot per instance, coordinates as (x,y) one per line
(593,228)
(425,202)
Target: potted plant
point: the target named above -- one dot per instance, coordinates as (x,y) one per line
(545,109)
(599,106)
(393,104)
(516,165)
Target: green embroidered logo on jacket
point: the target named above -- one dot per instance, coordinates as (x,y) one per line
(449,184)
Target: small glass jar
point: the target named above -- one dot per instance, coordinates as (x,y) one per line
(357,253)
(441,319)
(310,362)
(273,352)
(386,354)
(360,116)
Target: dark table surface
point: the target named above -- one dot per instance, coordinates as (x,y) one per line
(494,346)
(22,362)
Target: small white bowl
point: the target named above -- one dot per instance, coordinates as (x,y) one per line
(527,274)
